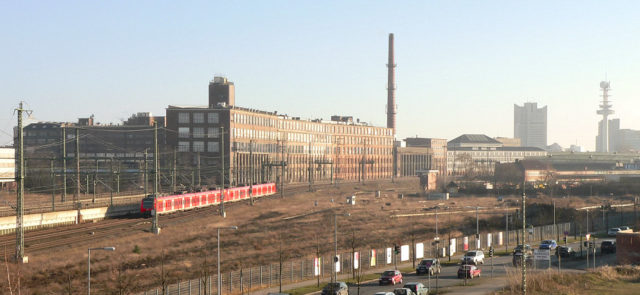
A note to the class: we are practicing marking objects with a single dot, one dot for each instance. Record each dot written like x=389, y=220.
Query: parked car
x=417, y=288
x=625, y=229
x=468, y=270
x=473, y=257
x=565, y=251
x=337, y=288
x=430, y=266
x=613, y=231
x=390, y=277
x=608, y=246
x=548, y=244
x=402, y=291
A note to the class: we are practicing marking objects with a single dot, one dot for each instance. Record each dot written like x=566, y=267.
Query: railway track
x=84, y=234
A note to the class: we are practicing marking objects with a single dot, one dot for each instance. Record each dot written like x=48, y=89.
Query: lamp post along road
x=89, y=265
x=219, y=276
x=334, y=277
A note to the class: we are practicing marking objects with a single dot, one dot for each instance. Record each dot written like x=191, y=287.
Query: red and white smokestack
x=391, y=89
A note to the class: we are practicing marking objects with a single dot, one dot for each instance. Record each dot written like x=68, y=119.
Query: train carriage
x=173, y=203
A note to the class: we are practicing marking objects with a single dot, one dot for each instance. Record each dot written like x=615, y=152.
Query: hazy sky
x=461, y=64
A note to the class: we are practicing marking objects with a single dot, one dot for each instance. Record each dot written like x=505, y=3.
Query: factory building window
x=213, y=132
x=198, y=118
x=213, y=118
x=183, y=118
x=183, y=146
x=198, y=146
x=183, y=132
x=198, y=132
x=213, y=147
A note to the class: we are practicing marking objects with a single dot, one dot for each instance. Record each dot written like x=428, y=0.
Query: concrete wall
x=628, y=248
x=52, y=219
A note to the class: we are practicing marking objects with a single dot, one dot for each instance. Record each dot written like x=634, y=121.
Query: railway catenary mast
x=391, y=89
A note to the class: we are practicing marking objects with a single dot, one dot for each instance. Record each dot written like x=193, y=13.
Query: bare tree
x=163, y=276
x=121, y=283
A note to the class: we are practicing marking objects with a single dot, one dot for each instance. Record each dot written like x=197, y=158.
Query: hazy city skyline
x=461, y=66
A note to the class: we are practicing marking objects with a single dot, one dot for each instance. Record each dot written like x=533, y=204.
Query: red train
x=168, y=204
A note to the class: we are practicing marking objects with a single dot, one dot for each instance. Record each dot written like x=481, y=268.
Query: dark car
x=608, y=246
x=565, y=251
x=518, y=251
x=469, y=270
x=337, y=288
x=390, y=277
x=428, y=266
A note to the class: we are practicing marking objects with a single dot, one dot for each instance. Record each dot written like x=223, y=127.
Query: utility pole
x=506, y=231
x=53, y=187
x=20, y=198
x=282, y=171
x=111, y=184
x=222, y=213
x=555, y=227
x=173, y=175
x=199, y=179
x=251, y=171
x=64, y=164
x=76, y=196
x=310, y=169
x=95, y=179
x=524, y=233
x=146, y=168
x=117, y=181
x=154, y=225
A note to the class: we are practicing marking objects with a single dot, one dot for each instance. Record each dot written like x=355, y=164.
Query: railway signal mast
x=20, y=258
x=154, y=224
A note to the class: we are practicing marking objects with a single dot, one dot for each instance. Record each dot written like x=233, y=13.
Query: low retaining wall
x=52, y=219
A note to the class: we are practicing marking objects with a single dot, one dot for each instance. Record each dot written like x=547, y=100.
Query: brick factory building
x=256, y=142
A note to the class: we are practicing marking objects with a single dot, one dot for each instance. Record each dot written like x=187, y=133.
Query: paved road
x=447, y=278
x=484, y=284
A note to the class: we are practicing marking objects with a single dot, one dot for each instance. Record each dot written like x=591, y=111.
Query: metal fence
x=259, y=277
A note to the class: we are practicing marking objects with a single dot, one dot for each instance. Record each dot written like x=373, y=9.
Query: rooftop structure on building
x=473, y=140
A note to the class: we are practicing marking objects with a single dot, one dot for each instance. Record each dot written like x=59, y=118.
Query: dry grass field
x=296, y=223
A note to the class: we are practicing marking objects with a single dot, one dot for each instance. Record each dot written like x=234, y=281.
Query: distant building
x=420, y=154
x=555, y=148
x=575, y=148
x=477, y=155
x=506, y=141
x=621, y=140
x=256, y=142
x=7, y=167
x=128, y=140
x=530, y=125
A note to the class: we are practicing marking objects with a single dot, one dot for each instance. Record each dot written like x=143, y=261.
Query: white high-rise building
x=530, y=125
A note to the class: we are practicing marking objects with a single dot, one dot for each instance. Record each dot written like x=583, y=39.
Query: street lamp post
x=89, y=265
x=334, y=277
x=218, y=250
